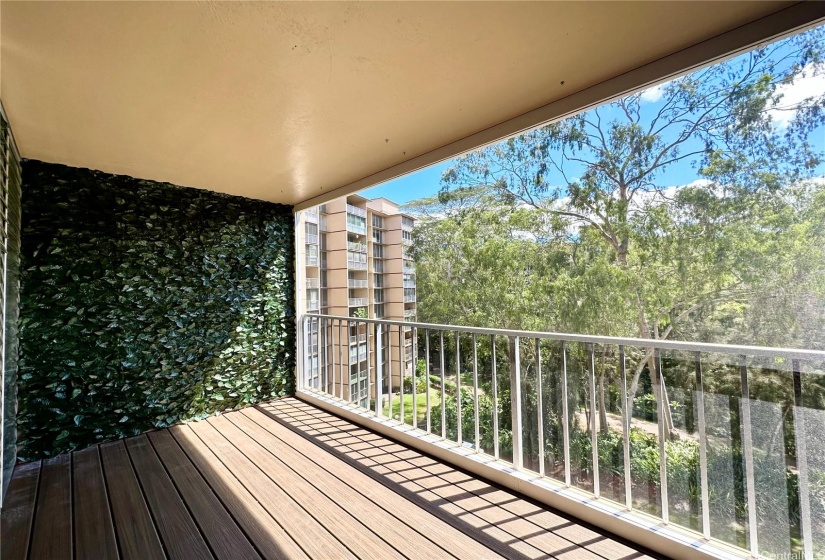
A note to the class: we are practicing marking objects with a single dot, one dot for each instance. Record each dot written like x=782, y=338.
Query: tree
x=646, y=257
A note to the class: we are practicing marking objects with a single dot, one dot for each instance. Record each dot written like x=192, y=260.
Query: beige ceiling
x=285, y=101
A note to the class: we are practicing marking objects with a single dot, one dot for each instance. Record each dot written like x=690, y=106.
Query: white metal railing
x=409, y=269
x=313, y=283
x=409, y=299
x=409, y=283
x=312, y=239
x=360, y=337
x=312, y=260
x=357, y=265
x=356, y=247
x=311, y=215
x=357, y=301
x=313, y=305
x=409, y=313
x=717, y=441
x=355, y=211
x=352, y=283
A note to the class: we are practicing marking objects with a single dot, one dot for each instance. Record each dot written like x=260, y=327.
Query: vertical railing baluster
x=660, y=413
x=540, y=407
x=495, y=395
x=322, y=344
x=515, y=404
x=301, y=358
x=443, y=388
x=332, y=355
x=427, y=373
x=594, y=428
x=415, y=372
x=565, y=413
x=628, y=488
x=369, y=373
x=330, y=370
x=703, y=446
x=402, y=372
x=379, y=369
x=802, y=463
x=413, y=360
x=354, y=399
x=348, y=378
x=340, y=360
x=475, y=394
x=389, y=370
x=459, y=436
x=322, y=325
x=316, y=376
x=747, y=450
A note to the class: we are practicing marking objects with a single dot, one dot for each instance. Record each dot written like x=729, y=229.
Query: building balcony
x=357, y=301
x=409, y=283
x=409, y=313
x=311, y=216
x=313, y=305
x=356, y=265
x=409, y=269
x=312, y=260
x=311, y=239
x=356, y=247
x=409, y=299
x=313, y=283
x=359, y=356
x=357, y=284
x=356, y=338
x=358, y=229
x=355, y=211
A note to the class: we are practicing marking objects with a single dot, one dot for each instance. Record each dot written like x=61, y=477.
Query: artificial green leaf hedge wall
x=143, y=304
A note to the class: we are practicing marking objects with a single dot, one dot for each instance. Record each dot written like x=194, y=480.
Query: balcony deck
x=278, y=480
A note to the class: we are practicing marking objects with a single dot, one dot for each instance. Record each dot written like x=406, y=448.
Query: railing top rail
x=788, y=353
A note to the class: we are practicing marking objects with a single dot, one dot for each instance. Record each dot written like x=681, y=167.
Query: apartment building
x=357, y=263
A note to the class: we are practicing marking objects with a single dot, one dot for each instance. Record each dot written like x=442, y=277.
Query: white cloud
x=810, y=83
x=655, y=93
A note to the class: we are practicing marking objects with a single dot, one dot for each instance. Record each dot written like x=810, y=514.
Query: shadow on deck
x=277, y=480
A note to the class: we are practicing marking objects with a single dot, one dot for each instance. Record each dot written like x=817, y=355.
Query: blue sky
x=427, y=182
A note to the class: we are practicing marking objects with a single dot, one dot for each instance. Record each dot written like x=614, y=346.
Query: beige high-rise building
x=357, y=264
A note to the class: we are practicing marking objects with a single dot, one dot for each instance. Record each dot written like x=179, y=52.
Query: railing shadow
x=508, y=524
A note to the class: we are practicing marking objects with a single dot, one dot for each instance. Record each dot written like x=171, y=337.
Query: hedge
x=144, y=304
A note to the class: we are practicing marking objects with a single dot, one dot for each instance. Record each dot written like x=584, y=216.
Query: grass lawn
x=421, y=402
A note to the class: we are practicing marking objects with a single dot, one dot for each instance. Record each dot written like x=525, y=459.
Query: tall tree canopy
x=577, y=226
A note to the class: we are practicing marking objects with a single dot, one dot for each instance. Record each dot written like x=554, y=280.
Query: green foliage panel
x=144, y=304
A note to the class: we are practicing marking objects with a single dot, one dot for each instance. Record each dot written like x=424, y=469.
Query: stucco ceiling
x=285, y=101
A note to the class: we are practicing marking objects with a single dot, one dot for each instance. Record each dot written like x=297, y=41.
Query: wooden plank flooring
x=277, y=480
